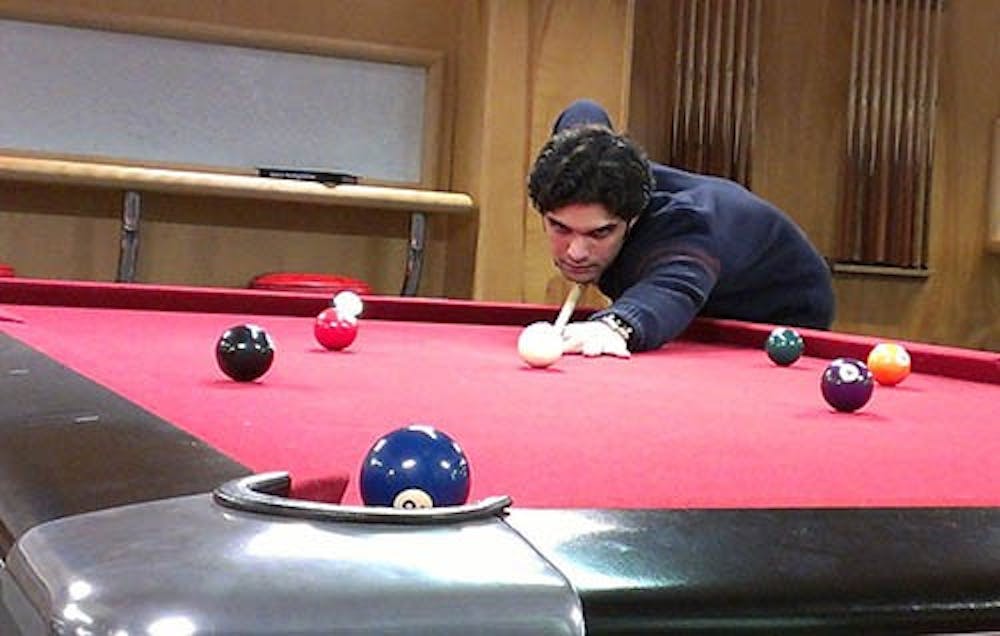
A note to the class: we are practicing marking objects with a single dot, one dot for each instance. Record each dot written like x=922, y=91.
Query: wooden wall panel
x=960, y=302
x=801, y=118
x=652, y=83
x=522, y=62
x=993, y=240
x=578, y=49
x=495, y=159
x=799, y=148
x=801, y=96
x=41, y=236
x=469, y=130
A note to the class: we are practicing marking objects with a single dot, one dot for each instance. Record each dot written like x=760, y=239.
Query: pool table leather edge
x=69, y=445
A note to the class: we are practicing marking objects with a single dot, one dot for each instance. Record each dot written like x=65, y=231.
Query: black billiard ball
x=784, y=346
x=245, y=352
x=847, y=384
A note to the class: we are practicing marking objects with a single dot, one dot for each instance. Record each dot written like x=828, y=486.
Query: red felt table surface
x=692, y=425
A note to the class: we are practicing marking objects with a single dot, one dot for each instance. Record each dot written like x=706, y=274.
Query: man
x=665, y=245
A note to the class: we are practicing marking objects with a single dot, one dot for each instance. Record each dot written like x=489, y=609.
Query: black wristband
x=620, y=327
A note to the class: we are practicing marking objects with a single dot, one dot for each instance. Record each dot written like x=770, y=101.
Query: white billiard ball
x=540, y=345
x=348, y=304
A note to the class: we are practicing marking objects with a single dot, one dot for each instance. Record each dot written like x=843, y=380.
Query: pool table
x=699, y=488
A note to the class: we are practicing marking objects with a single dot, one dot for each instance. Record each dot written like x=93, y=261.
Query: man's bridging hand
x=593, y=338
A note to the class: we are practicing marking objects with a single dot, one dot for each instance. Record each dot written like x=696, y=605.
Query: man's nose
x=579, y=249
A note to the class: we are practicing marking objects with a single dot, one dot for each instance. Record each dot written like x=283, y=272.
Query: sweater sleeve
x=661, y=284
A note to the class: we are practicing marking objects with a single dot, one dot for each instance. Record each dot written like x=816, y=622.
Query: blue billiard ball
x=415, y=467
x=847, y=384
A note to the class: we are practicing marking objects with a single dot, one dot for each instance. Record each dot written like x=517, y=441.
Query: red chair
x=329, y=284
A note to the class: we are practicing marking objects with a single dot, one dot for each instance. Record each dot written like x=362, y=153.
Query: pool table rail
x=69, y=446
x=189, y=564
x=801, y=571
x=963, y=364
x=532, y=571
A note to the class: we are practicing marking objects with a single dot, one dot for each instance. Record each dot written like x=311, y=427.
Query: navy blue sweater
x=706, y=245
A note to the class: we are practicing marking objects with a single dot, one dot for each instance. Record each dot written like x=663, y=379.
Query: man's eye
x=601, y=233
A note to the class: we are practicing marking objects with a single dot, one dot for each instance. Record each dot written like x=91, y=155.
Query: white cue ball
x=540, y=345
x=348, y=303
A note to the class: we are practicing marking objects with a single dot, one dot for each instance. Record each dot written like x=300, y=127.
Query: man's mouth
x=577, y=270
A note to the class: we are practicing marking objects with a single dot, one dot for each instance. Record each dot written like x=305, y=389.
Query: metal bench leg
x=415, y=253
x=129, y=237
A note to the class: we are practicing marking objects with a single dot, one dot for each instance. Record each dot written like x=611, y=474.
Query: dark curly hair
x=591, y=164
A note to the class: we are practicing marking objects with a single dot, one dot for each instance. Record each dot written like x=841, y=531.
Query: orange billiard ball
x=889, y=363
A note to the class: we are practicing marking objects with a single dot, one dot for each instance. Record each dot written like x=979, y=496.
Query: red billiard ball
x=335, y=330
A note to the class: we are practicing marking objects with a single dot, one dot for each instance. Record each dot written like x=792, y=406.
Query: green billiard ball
x=784, y=346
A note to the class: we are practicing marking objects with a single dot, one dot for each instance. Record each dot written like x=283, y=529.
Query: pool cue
x=569, y=305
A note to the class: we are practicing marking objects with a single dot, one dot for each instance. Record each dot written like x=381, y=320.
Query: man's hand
x=593, y=338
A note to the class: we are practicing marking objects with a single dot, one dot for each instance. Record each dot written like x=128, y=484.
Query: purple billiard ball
x=847, y=384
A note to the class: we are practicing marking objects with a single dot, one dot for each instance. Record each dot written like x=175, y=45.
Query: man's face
x=585, y=238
